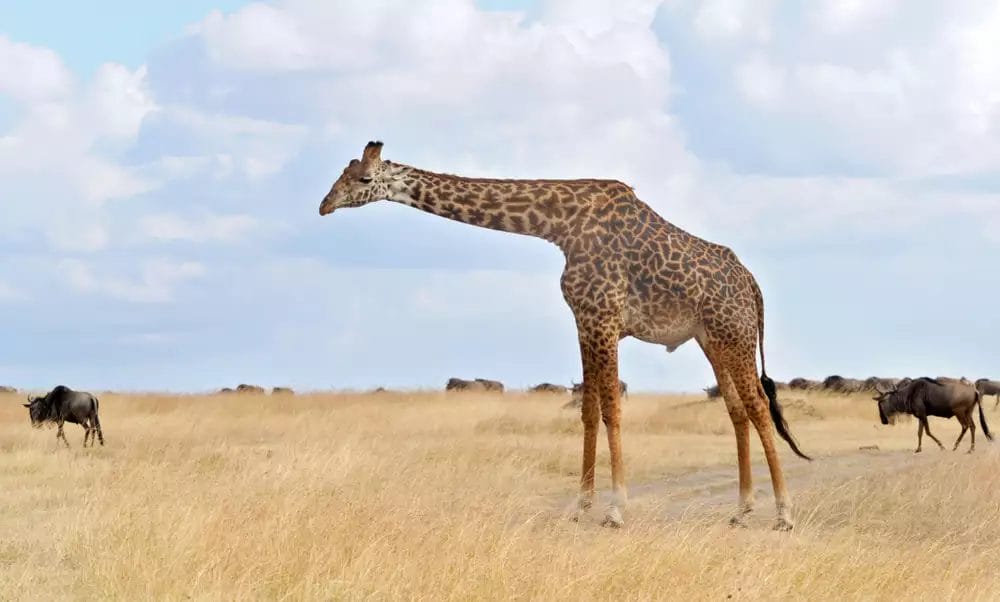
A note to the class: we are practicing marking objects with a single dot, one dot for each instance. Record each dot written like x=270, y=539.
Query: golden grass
x=434, y=496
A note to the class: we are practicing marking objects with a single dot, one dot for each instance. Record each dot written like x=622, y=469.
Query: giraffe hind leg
x=751, y=392
x=741, y=427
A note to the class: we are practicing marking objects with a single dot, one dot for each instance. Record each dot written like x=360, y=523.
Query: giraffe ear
x=372, y=154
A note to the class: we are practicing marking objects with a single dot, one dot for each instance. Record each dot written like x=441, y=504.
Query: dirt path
x=713, y=491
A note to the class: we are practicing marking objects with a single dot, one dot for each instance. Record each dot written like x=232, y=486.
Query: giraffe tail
x=777, y=416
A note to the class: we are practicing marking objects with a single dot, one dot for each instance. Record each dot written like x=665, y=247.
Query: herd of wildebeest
x=923, y=397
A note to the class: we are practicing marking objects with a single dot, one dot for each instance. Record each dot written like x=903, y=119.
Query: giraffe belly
x=668, y=328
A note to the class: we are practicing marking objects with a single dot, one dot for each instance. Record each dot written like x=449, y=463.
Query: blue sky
x=161, y=168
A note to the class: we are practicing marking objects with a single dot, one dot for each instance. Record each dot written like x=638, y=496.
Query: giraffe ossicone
x=629, y=272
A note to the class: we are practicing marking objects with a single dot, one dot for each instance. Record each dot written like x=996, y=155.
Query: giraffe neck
x=540, y=208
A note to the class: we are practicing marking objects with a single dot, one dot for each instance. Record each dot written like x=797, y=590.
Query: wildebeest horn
x=27, y=405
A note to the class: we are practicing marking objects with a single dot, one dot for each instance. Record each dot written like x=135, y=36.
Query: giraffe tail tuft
x=778, y=417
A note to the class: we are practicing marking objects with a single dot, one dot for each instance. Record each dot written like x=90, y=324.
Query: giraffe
x=628, y=272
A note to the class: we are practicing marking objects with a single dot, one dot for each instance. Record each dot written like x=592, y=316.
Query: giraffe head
x=361, y=182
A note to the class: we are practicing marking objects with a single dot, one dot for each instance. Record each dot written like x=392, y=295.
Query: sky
x=161, y=168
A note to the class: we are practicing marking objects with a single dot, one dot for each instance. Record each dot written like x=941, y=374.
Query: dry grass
x=440, y=497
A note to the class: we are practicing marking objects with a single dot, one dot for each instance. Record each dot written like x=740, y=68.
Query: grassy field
x=434, y=496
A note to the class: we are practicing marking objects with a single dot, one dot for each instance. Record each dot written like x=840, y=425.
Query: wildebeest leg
x=86, y=432
x=927, y=427
x=965, y=427
x=920, y=436
x=61, y=435
x=972, y=431
x=97, y=429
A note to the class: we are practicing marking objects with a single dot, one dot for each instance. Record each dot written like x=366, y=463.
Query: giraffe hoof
x=783, y=524
x=613, y=519
x=737, y=522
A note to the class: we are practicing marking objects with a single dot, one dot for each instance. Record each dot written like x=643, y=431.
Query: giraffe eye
x=365, y=180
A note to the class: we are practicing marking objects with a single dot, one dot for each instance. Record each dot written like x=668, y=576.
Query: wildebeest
x=874, y=383
x=839, y=384
x=250, y=389
x=549, y=388
x=804, y=384
x=479, y=384
x=577, y=400
x=494, y=386
x=282, y=391
x=986, y=387
x=61, y=405
x=925, y=397
x=952, y=379
x=622, y=388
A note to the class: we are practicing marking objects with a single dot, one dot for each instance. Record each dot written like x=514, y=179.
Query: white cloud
x=32, y=74
x=155, y=283
x=823, y=208
x=229, y=144
x=76, y=233
x=927, y=103
x=733, y=19
x=844, y=16
x=118, y=101
x=259, y=35
x=761, y=82
x=204, y=228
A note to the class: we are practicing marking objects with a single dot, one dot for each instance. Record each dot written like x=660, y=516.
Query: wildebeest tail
x=982, y=417
x=769, y=387
x=97, y=413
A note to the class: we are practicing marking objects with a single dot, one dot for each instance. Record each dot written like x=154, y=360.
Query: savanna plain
x=436, y=496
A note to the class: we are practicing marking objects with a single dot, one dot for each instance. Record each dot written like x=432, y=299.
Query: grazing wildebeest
x=282, y=391
x=479, y=384
x=493, y=386
x=925, y=397
x=226, y=391
x=712, y=392
x=549, y=388
x=986, y=387
x=839, y=384
x=250, y=389
x=460, y=384
x=61, y=405
x=804, y=384
x=874, y=383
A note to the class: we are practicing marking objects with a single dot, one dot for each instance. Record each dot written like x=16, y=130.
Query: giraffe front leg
x=601, y=393
x=589, y=414
x=611, y=412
